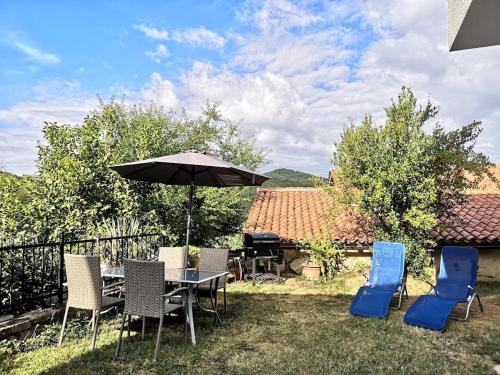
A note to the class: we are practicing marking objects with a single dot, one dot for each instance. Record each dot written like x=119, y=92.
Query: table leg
x=190, y=313
x=214, y=299
x=253, y=271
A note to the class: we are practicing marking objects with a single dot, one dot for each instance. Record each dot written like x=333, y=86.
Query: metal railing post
x=61, y=270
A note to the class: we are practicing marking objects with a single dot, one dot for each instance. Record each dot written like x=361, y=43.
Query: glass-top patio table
x=189, y=277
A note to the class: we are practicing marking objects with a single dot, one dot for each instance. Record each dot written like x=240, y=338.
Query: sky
x=292, y=73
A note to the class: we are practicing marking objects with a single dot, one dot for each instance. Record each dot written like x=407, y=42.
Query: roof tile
x=298, y=213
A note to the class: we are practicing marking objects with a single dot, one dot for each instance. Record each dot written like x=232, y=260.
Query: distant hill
x=8, y=174
x=288, y=178
x=281, y=178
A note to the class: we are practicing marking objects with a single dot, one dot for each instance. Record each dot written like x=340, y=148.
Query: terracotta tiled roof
x=477, y=222
x=298, y=213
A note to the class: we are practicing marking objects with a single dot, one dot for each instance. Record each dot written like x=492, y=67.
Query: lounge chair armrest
x=174, y=292
x=433, y=287
x=430, y=284
x=114, y=285
x=471, y=288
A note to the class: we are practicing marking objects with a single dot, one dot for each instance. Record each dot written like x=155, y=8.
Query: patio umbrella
x=189, y=168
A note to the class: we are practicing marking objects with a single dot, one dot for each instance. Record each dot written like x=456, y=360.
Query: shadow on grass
x=284, y=333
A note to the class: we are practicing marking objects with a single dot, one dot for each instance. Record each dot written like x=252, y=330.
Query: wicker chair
x=213, y=260
x=145, y=297
x=86, y=290
x=174, y=257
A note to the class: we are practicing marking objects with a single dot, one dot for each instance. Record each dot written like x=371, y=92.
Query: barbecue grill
x=263, y=246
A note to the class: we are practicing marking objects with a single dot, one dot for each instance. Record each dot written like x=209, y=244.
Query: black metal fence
x=32, y=275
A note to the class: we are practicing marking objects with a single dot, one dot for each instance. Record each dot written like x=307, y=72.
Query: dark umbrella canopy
x=189, y=168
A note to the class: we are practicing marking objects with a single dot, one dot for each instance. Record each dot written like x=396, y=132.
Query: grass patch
x=298, y=327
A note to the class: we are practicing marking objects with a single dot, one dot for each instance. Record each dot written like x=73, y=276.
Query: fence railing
x=32, y=275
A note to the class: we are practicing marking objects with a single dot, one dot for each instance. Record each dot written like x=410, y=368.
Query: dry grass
x=299, y=327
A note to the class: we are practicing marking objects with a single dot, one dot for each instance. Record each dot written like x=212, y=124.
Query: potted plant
x=193, y=256
x=311, y=268
x=324, y=258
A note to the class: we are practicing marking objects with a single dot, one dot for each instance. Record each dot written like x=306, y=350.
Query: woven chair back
x=83, y=273
x=174, y=257
x=213, y=259
x=144, y=285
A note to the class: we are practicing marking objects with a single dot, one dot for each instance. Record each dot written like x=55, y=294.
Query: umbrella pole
x=190, y=209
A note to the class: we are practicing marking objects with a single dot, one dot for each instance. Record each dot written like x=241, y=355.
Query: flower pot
x=311, y=271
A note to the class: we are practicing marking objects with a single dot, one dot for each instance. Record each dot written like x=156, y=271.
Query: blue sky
x=292, y=72
x=96, y=43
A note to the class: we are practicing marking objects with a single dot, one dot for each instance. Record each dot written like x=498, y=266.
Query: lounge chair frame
x=468, y=308
x=399, y=294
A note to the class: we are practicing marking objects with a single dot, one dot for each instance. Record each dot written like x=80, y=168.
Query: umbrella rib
x=183, y=168
x=140, y=170
x=242, y=175
x=175, y=174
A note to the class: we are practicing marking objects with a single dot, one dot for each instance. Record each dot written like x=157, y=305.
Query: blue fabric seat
x=386, y=278
x=455, y=284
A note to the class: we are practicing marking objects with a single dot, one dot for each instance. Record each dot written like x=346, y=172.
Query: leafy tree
x=405, y=179
x=75, y=192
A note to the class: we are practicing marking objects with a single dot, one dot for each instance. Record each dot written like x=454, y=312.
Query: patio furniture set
x=147, y=289
x=455, y=287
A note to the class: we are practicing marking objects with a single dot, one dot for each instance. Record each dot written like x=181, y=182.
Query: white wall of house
x=473, y=23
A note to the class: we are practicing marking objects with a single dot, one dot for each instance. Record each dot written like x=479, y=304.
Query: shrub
x=405, y=180
x=326, y=253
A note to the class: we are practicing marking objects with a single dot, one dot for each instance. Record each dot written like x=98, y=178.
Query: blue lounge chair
x=455, y=285
x=386, y=279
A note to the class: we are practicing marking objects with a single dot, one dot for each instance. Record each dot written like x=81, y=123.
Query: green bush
x=46, y=335
x=324, y=252
x=403, y=179
x=74, y=190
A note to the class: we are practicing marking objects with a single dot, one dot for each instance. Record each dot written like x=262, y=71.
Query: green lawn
x=298, y=327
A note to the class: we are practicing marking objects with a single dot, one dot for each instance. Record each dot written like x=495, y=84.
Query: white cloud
x=199, y=37
x=297, y=73
x=271, y=16
x=152, y=32
x=35, y=54
x=158, y=53
x=160, y=91
x=298, y=78
x=25, y=122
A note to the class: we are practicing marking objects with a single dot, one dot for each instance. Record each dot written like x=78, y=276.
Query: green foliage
x=404, y=179
x=288, y=178
x=326, y=253
x=119, y=227
x=231, y=242
x=45, y=336
x=15, y=210
x=193, y=254
x=75, y=192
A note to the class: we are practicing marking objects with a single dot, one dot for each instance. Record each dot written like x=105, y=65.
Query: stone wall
x=294, y=258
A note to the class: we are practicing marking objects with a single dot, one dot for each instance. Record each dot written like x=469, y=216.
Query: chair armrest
x=175, y=291
x=114, y=285
x=471, y=288
x=433, y=287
